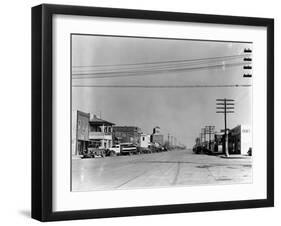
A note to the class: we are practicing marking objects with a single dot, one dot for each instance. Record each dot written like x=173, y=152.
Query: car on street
x=93, y=152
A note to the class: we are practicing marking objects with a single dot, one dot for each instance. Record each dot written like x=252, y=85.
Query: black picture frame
x=42, y=111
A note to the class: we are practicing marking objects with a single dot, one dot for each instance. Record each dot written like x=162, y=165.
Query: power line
x=152, y=67
x=165, y=86
x=140, y=73
x=162, y=66
x=149, y=68
x=160, y=62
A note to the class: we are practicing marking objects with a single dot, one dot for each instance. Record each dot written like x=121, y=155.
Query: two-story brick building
x=126, y=134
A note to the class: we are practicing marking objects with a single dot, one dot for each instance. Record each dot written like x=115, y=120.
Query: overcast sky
x=182, y=112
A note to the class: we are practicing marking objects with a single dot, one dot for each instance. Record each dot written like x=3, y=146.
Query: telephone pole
x=168, y=140
x=209, y=131
x=203, y=134
x=225, y=106
x=201, y=138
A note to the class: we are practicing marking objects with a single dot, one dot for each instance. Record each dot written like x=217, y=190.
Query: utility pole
x=203, y=132
x=203, y=135
x=201, y=138
x=225, y=106
x=210, y=130
x=168, y=140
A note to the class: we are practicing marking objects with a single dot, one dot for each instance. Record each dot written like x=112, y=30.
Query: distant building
x=80, y=132
x=144, y=140
x=126, y=134
x=156, y=130
x=100, y=132
x=240, y=140
x=219, y=142
x=156, y=136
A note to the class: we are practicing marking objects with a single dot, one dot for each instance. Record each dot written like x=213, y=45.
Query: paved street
x=172, y=168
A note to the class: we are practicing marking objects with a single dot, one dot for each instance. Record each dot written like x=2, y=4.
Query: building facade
x=126, y=134
x=100, y=132
x=144, y=140
x=80, y=132
x=240, y=140
x=156, y=136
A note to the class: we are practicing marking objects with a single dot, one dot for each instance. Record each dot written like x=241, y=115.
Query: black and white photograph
x=144, y=112
x=150, y=112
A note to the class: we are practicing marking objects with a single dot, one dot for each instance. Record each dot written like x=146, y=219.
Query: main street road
x=172, y=168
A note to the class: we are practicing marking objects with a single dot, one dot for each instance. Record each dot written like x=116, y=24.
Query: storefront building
x=240, y=140
x=126, y=134
x=80, y=132
x=156, y=136
x=100, y=132
x=144, y=140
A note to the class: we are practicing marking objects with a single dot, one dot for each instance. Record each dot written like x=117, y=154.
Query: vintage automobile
x=249, y=152
x=155, y=147
x=93, y=151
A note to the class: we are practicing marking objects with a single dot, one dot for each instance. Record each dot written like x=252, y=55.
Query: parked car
x=197, y=149
x=143, y=150
x=114, y=150
x=250, y=152
x=93, y=152
x=155, y=147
